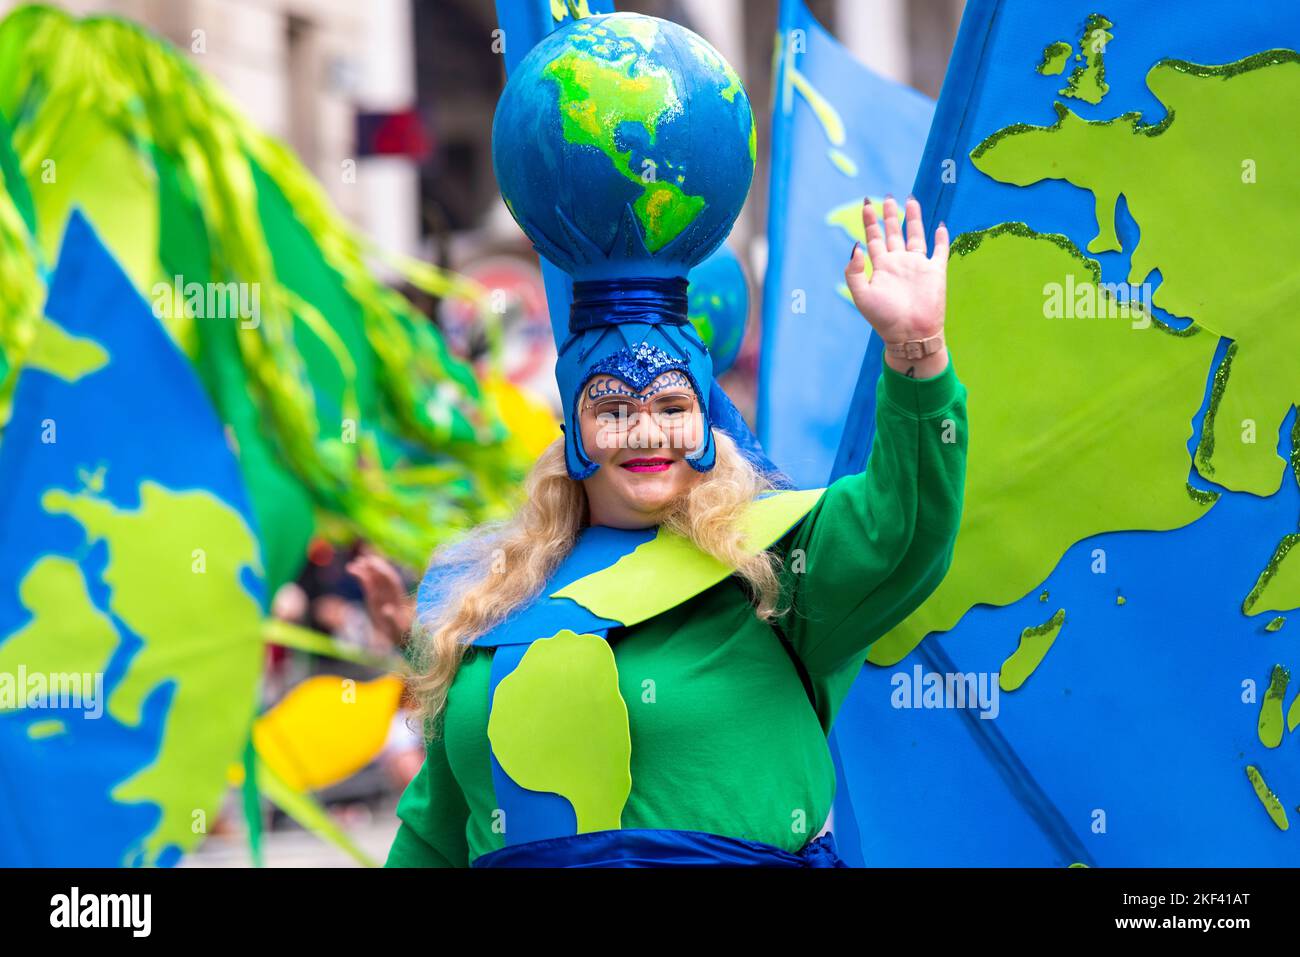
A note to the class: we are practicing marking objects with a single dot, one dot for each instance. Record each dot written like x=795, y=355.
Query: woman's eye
x=612, y=415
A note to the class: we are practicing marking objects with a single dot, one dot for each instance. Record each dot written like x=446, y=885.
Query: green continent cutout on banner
x=1267, y=798
x=1055, y=57
x=69, y=357
x=204, y=640
x=1278, y=585
x=1034, y=644
x=558, y=724
x=1053, y=458
x=1270, y=710
x=67, y=634
x=1088, y=81
x=1222, y=142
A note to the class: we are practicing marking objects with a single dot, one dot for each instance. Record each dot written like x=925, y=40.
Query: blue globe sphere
x=719, y=306
x=624, y=146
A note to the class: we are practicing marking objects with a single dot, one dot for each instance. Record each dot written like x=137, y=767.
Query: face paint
x=621, y=413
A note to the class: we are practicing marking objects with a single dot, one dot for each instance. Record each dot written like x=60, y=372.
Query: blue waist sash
x=644, y=847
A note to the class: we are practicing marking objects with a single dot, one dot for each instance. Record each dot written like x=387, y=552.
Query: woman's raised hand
x=904, y=297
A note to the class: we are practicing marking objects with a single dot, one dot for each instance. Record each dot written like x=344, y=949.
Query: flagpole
x=777, y=194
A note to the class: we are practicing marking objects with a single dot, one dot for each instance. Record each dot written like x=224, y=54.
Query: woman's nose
x=647, y=433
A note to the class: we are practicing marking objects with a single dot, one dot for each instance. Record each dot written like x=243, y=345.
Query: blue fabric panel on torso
x=529, y=815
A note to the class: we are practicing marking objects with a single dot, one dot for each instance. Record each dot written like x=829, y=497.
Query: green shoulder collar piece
x=677, y=568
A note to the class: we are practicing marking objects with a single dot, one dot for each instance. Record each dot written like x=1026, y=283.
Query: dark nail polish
x=855, y=251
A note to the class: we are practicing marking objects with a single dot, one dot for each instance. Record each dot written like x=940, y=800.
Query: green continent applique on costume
x=575, y=743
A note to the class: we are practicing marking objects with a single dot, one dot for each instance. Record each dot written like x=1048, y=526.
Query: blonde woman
x=643, y=666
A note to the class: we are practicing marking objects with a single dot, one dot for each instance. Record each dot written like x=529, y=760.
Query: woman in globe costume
x=642, y=667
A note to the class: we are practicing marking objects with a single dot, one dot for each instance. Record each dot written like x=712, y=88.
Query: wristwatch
x=915, y=348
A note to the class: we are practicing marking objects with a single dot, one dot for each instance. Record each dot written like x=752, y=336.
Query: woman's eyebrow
x=608, y=389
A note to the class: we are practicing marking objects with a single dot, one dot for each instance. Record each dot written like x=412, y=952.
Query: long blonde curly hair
x=501, y=566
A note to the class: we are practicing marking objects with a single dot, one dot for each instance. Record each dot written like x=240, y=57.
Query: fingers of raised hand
x=855, y=272
x=940, y=253
x=875, y=236
x=893, y=229
x=915, y=227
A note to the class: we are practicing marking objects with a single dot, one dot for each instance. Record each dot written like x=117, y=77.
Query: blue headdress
x=623, y=146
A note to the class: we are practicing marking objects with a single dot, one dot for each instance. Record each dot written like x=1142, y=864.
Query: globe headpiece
x=624, y=148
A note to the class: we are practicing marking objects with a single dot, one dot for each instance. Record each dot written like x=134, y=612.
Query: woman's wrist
x=925, y=367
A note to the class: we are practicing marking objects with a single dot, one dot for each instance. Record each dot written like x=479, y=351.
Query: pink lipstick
x=647, y=465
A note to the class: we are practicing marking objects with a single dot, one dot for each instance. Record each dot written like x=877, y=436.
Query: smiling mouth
x=647, y=465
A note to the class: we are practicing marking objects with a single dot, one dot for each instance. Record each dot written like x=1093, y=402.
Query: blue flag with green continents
x=131, y=586
x=840, y=133
x=1107, y=677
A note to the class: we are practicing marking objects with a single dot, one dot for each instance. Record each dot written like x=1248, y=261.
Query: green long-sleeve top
x=723, y=736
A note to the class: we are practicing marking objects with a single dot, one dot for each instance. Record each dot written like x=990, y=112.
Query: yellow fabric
x=326, y=729
x=532, y=426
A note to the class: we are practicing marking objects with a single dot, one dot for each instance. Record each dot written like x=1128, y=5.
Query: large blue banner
x=1106, y=677
x=840, y=133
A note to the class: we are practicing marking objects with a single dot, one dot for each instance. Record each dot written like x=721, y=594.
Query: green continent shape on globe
x=1220, y=156
x=703, y=324
x=173, y=571
x=597, y=96
x=1079, y=429
x=713, y=60
x=576, y=743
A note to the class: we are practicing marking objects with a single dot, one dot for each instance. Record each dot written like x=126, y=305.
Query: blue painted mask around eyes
x=634, y=330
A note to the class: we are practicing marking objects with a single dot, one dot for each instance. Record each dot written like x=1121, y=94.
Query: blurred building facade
x=460, y=77
x=304, y=70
